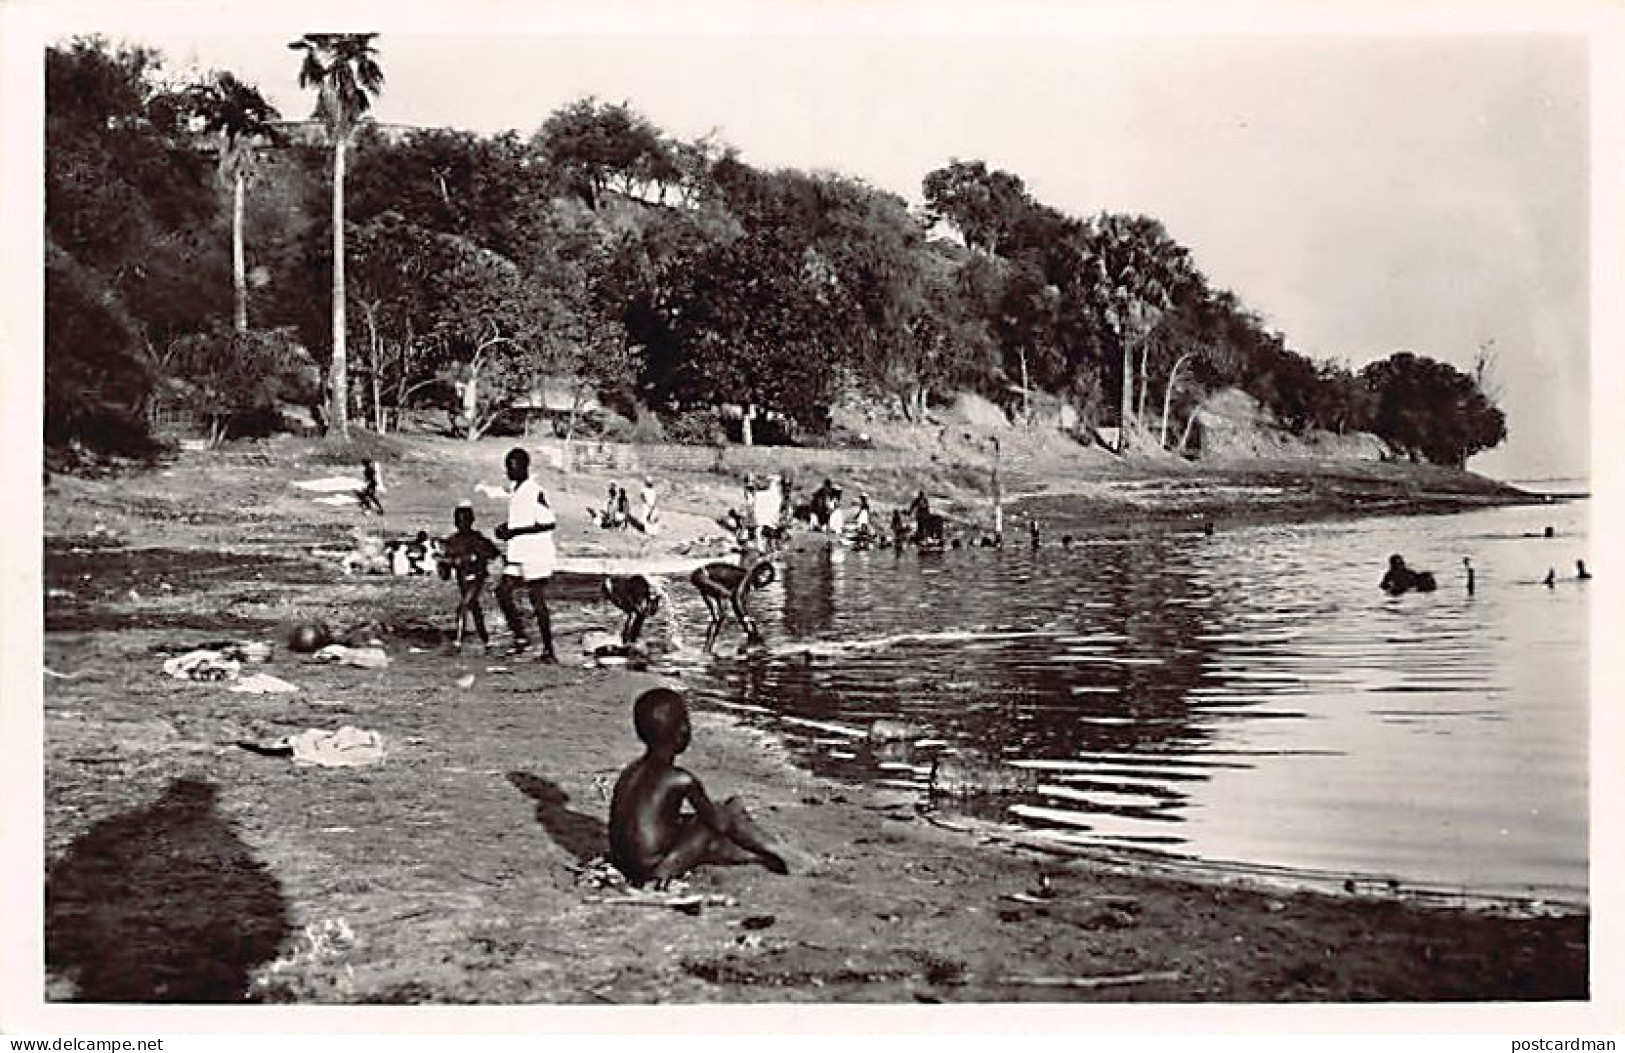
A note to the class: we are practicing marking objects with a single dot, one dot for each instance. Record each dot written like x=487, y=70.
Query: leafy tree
x=984, y=206
x=130, y=261
x=749, y=325
x=392, y=288
x=608, y=146
x=1132, y=272
x=1344, y=402
x=236, y=379
x=343, y=69
x=948, y=339
x=241, y=117
x=1026, y=328
x=482, y=188
x=94, y=394
x=1430, y=409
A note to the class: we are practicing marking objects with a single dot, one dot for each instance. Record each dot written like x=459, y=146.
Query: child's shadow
x=584, y=836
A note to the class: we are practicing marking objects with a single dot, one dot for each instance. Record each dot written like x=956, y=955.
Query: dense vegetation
x=190, y=251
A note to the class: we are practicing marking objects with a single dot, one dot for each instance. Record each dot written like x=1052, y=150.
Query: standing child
x=371, y=486
x=650, y=836
x=465, y=555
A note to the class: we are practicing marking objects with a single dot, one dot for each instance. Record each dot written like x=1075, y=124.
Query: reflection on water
x=1248, y=697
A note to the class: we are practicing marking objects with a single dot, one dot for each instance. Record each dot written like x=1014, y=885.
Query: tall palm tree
x=343, y=70
x=239, y=114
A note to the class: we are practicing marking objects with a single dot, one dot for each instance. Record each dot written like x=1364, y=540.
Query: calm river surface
x=1249, y=698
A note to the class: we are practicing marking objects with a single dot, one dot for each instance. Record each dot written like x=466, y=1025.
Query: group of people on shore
x=530, y=560
x=662, y=823
x=618, y=514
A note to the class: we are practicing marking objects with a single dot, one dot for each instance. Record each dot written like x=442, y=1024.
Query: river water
x=1247, y=699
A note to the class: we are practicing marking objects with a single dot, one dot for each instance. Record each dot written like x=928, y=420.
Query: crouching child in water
x=465, y=556
x=651, y=837
x=633, y=596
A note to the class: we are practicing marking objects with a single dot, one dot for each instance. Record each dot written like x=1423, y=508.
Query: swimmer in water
x=727, y=586
x=1466, y=561
x=1550, y=581
x=636, y=598
x=1401, y=579
x=1580, y=570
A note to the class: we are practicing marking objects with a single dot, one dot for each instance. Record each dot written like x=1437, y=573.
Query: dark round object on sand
x=307, y=637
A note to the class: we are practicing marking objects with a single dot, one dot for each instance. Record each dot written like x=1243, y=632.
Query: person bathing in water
x=1401, y=579
x=651, y=836
x=636, y=598
x=727, y=586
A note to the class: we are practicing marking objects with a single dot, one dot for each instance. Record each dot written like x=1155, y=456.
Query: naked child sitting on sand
x=650, y=836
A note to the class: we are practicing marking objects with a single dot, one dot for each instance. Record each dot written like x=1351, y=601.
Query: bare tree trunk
x=1168, y=398
x=1185, y=436
x=471, y=400
x=1144, y=387
x=1126, y=410
x=339, y=374
x=1026, y=395
x=239, y=269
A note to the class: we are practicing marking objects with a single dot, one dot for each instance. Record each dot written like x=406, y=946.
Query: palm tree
x=239, y=114
x=343, y=70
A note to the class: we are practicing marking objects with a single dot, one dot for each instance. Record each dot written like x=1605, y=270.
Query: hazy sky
x=1364, y=191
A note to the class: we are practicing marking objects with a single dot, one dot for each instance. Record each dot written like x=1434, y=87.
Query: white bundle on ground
x=360, y=657
x=331, y=484
x=263, y=684
x=348, y=747
x=203, y=665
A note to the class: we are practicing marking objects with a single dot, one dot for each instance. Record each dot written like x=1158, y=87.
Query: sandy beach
x=183, y=867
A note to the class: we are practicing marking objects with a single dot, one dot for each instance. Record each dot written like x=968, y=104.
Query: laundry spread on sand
x=240, y=651
x=202, y=665
x=360, y=657
x=263, y=684
x=331, y=484
x=348, y=747
x=337, y=499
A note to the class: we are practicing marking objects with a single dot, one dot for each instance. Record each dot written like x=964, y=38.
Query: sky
x=1365, y=185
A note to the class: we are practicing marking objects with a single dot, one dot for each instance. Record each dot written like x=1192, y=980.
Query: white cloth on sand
x=331, y=484
x=348, y=747
x=361, y=657
x=202, y=665
x=263, y=684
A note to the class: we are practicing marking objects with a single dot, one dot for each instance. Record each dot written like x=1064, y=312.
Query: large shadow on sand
x=583, y=836
x=163, y=904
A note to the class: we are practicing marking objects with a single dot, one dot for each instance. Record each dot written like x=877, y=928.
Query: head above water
x=660, y=717
x=517, y=464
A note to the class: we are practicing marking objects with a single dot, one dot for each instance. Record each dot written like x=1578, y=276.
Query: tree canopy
x=601, y=253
